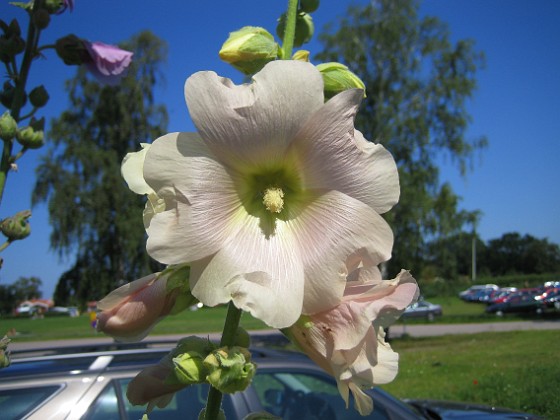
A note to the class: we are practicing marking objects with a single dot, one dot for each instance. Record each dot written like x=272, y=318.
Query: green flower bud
x=7, y=95
x=301, y=55
x=194, y=343
x=304, y=28
x=189, y=368
x=41, y=18
x=17, y=226
x=230, y=369
x=39, y=96
x=337, y=78
x=221, y=415
x=30, y=138
x=8, y=127
x=4, y=353
x=308, y=6
x=71, y=50
x=249, y=49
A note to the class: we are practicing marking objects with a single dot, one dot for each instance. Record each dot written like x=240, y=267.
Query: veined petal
x=254, y=123
x=382, y=302
x=352, y=226
x=336, y=156
x=261, y=274
x=115, y=297
x=201, y=201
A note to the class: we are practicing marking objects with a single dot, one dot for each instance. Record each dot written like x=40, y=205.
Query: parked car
x=519, y=302
x=62, y=384
x=474, y=293
x=422, y=309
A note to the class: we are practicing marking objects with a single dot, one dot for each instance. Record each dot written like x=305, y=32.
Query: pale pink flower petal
x=358, y=168
x=205, y=202
x=109, y=63
x=150, y=386
x=254, y=124
x=263, y=276
x=131, y=311
x=348, y=342
x=328, y=230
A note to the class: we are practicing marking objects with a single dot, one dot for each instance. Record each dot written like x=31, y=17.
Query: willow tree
x=94, y=216
x=417, y=84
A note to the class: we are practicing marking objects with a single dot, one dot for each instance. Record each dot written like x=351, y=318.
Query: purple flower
x=108, y=63
x=66, y=4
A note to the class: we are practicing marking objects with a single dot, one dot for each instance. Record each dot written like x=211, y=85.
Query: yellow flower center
x=273, y=199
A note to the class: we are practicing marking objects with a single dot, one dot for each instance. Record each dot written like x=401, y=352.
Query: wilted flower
x=131, y=311
x=272, y=195
x=348, y=340
x=108, y=63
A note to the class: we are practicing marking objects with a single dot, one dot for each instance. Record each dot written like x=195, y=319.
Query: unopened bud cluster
x=17, y=226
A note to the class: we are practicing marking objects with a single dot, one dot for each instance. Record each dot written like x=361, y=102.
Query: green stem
x=228, y=339
x=19, y=93
x=5, y=245
x=290, y=31
x=46, y=47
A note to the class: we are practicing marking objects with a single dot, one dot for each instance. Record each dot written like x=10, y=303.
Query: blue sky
x=514, y=182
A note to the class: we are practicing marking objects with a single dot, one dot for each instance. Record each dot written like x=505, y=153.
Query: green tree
x=516, y=254
x=93, y=214
x=417, y=82
x=25, y=288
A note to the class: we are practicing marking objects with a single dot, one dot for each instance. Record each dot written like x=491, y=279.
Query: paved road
x=430, y=330
x=418, y=330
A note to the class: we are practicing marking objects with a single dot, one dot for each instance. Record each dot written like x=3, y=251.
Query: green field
x=519, y=370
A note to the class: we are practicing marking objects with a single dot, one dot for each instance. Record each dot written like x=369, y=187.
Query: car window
x=185, y=405
x=305, y=396
x=17, y=403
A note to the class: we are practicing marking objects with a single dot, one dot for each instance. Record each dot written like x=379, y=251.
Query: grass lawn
x=518, y=370
x=187, y=322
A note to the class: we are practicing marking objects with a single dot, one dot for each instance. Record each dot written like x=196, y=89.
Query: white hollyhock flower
x=272, y=195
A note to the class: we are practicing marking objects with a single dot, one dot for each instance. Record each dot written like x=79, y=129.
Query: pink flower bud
x=131, y=311
x=108, y=62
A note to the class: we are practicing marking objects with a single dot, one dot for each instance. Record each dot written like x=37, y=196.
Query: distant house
x=33, y=307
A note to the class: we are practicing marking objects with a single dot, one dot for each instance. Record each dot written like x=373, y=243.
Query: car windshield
x=17, y=403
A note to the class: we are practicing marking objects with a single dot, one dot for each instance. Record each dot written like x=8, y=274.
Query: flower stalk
x=228, y=339
x=289, y=34
x=33, y=34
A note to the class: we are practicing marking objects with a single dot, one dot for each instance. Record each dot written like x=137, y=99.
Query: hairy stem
x=290, y=31
x=228, y=339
